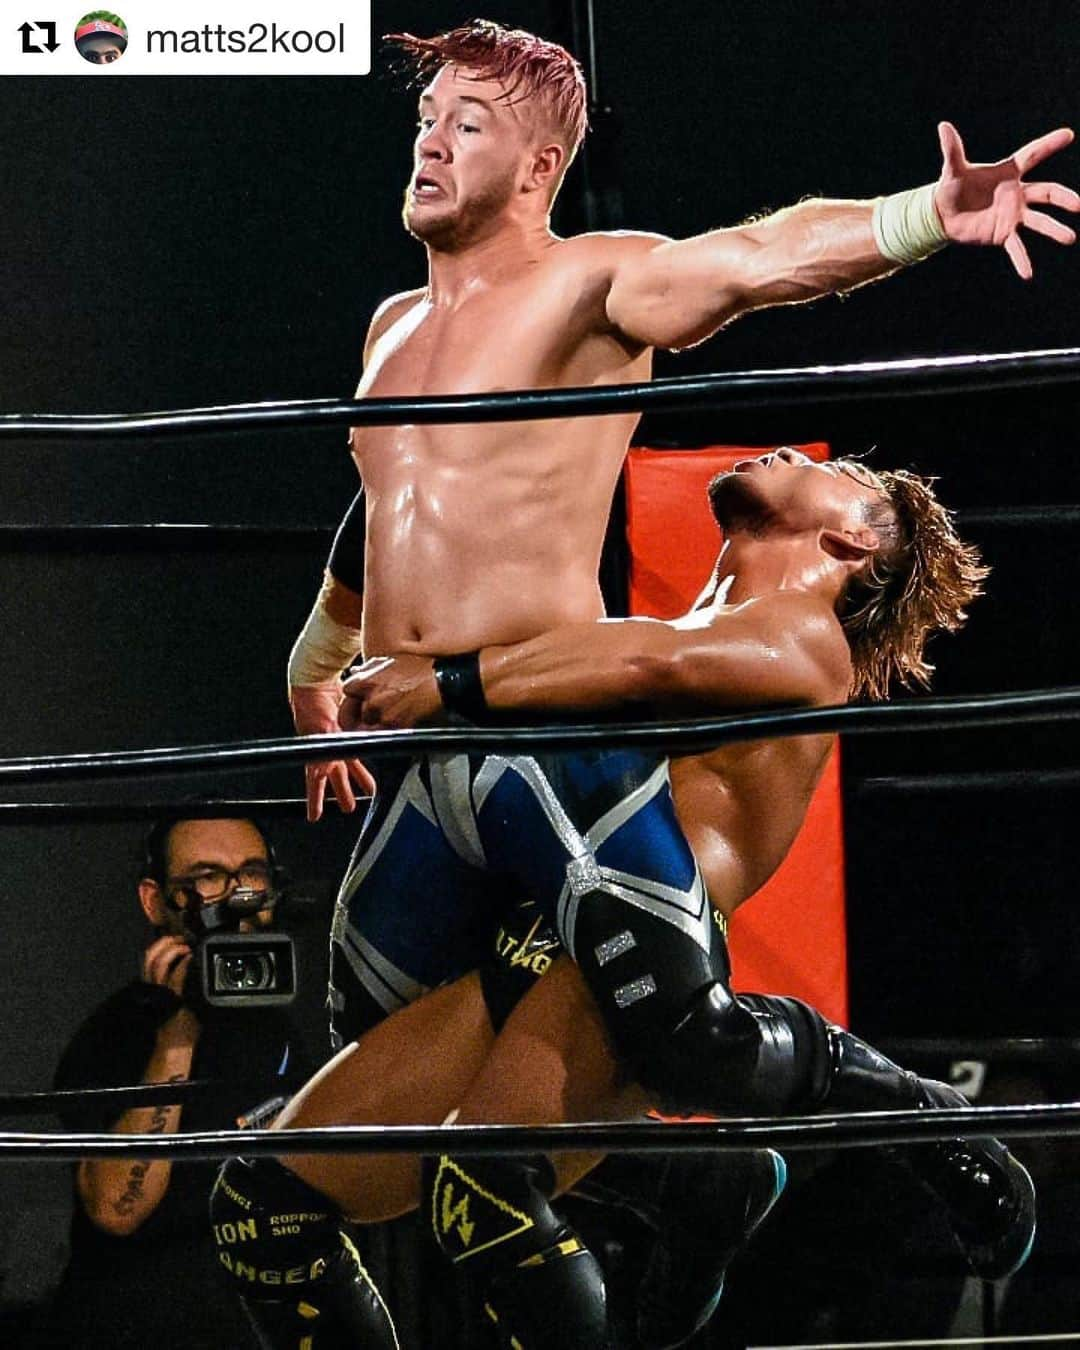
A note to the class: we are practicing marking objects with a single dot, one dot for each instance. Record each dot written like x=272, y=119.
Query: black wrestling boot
x=708, y=1209
x=553, y=1300
x=540, y=1285
x=344, y=1311
x=292, y=1260
x=988, y=1196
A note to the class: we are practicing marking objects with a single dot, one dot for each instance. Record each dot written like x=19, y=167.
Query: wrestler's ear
x=852, y=546
x=152, y=901
x=547, y=163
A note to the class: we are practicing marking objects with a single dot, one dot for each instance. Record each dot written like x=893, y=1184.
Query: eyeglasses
x=208, y=884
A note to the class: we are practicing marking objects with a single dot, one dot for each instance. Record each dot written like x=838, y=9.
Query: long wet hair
x=918, y=583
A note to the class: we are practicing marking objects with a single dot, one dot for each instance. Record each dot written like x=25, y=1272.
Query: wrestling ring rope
x=726, y=390
x=863, y=1129
x=892, y=379
x=956, y=711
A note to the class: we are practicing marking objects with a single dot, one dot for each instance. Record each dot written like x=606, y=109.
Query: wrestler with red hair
x=479, y=536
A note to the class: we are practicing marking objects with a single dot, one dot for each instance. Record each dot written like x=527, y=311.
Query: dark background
x=177, y=242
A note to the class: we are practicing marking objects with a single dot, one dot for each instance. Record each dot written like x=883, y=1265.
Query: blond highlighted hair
x=919, y=582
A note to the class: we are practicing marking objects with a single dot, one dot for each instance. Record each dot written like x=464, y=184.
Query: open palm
x=989, y=203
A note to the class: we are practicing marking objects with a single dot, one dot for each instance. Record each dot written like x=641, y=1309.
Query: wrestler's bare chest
x=502, y=337
x=539, y=331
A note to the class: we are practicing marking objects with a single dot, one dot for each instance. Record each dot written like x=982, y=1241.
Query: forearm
x=580, y=667
x=682, y=291
x=120, y=1194
x=830, y=246
x=813, y=249
x=330, y=639
x=797, y=255
x=788, y=651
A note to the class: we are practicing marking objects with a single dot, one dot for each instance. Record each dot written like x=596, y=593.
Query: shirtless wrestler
x=488, y=534
x=799, y=536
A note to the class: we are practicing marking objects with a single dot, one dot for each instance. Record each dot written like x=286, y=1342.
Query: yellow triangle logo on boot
x=468, y=1216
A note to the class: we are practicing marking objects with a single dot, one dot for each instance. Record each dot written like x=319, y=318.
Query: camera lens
x=247, y=973
x=245, y=970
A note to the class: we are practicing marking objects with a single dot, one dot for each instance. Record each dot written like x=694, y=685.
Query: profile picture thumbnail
x=101, y=37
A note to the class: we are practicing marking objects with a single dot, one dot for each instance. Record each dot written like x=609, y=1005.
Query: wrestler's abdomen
x=489, y=533
x=484, y=535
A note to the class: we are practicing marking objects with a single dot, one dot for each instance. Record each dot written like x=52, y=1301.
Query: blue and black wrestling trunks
x=452, y=841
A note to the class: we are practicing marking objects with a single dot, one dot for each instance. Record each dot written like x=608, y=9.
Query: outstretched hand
x=398, y=691
x=989, y=203
x=315, y=710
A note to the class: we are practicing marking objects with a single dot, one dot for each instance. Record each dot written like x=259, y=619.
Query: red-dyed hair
x=528, y=66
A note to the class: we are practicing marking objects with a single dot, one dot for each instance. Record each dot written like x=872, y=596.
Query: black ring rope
x=1002, y=781
x=723, y=390
x=133, y=536
x=999, y=781
x=726, y=390
x=121, y=1098
x=153, y=536
x=1052, y=1051
x=923, y=714
x=865, y=1129
x=1064, y=515
x=114, y=813
x=1037, y=1050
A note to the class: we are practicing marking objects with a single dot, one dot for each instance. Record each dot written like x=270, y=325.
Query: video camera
x=243, y=970
x=248, y=970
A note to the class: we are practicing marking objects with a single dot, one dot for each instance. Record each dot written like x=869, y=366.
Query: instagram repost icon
x=101, y=37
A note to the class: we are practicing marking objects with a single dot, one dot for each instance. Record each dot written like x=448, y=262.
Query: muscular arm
x=675, y=293
x=328, y=642
x=331, y=637
x=784, y=648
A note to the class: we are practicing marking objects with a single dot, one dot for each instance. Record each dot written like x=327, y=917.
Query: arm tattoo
x=133, y=1191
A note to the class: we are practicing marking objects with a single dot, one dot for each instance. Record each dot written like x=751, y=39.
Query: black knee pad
x=797, y=1052
x=748, y=1054
x=292, y=1260
x=840, y=1072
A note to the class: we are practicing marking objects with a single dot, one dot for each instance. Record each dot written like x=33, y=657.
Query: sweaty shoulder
x=604, y=251
x=389, y=311
x=804, y=629
x=589, y=264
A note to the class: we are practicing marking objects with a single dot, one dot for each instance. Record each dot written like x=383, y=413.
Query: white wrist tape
x=323, y=649
x=907, y=226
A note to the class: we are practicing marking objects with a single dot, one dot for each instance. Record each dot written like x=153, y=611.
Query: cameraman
x=138, y=1231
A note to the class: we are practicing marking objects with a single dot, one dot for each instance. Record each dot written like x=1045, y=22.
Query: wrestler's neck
x=490, y=256
x=750, y=566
